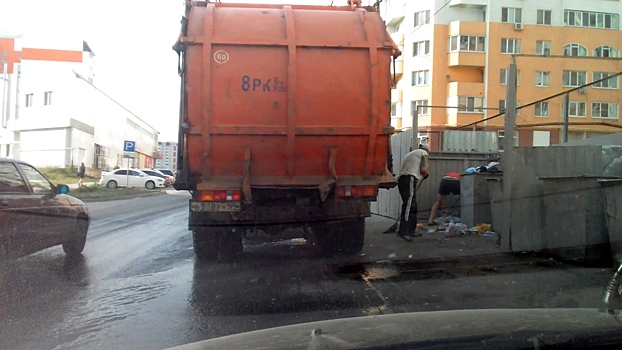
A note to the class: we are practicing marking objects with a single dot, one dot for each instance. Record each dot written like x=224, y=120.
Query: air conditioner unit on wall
x=581, y=90
x=518, y=26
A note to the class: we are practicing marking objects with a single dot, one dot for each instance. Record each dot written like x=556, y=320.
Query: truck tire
x=205, y=244
x=325, y=239
x=352, y=236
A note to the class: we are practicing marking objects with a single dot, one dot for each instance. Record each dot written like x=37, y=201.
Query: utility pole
x=415, y=140
x=5, y=94
x=565, y=117
x=507, y=159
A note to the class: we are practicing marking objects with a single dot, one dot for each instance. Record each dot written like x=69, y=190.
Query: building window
x=420, y=77
x=606, y=51
x=394, y=109
x=544, y=17
x=422, y=17
x=605, y=110
x=576, y=109
x=467, y=43
x=543, y=78
x=502, y=104
x=611, y=83
x=423, y=107
x=29, y=100
x=591, y=19
x=470, y=104
x=543, y=47
x=47, y=98
x=575, y=49
x=510, y=15
x=573, y=78
x=503, y=76
x=510, y=45
x=542, y=109
x=421, y=48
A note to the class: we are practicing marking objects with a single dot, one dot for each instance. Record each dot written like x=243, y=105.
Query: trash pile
x=491, y=168
x=452, y=226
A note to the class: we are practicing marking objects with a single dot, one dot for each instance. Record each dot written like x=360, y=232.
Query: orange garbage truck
x=284, y=123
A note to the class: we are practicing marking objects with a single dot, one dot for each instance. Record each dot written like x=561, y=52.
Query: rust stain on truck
x=290, y=120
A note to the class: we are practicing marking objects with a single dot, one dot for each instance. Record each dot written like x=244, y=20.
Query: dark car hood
x=525, y=325
x=67, y=199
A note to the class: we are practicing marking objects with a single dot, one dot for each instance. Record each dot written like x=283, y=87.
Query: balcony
x=466, y=59
x=396, y=95
x=465, y=89
x=468, y=3
x=394, y=13
x=467, y=28
x=398, y=70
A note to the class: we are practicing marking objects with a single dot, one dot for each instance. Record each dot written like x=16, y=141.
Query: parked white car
x=135, y=178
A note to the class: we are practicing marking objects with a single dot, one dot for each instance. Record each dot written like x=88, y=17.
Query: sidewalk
x=379, y=246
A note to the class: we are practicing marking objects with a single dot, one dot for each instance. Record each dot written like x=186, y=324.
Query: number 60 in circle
x=221, y=56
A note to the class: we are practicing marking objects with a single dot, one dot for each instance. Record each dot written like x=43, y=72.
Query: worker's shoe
x=405, y=237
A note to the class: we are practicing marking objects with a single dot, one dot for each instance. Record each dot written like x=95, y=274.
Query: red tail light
x=220, y=196
x=357, y=191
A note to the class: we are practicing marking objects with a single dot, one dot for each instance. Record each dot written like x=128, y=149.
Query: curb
x=109, y=199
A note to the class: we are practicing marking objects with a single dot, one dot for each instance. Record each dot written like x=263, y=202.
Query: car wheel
x=75, y=245
x=150, y=185
x=111, y=184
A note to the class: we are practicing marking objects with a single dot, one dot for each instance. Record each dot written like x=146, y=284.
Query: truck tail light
x=357, y=191
x=220, y=196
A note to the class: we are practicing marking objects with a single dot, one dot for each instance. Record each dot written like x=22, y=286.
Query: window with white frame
x=421, y=48
x=510, y=45
x=543, y=17
x=577, y=18
x=511, y=15
x=611, y=83
x=29, y=100
x=543, y=78
x=541, y=109
x=422, y=17
x=394, y=109
x=47, y=98
x=573, y=78
x=503, y=76
x=574, y=49
x=604, y=110
x=420, y=77
x=469, y=104
x=467, y=43
x=606, y=51
x=576, y=109
x=543, y=47
x=421, y=104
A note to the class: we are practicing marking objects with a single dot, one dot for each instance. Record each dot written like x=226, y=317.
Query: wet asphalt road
x=139, y=286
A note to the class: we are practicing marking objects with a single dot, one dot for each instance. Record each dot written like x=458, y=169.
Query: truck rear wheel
x=205, y=244
x=352, y=235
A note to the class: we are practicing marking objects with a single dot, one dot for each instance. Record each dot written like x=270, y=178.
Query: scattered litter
x=362, y=254
x=392, y=255
x=420, y=226
x=410, y=256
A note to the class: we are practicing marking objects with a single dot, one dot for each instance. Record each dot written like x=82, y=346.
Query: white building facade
x=54, y=115
x=168, y=156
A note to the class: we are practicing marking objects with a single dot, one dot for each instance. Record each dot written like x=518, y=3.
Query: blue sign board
x=129, y=146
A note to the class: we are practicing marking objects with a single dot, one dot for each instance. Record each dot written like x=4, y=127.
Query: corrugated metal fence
x=441, y=163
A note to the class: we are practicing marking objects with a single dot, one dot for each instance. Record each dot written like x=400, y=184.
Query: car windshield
x=427, y=170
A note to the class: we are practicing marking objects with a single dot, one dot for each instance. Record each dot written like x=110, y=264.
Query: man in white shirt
x=414, y=169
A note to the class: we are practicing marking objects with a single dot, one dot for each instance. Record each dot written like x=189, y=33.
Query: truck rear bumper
x=277, y=215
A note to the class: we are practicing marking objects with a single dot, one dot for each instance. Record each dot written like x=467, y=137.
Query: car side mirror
x=62, y=189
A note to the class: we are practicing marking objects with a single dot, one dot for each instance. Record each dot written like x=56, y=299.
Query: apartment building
x=53, y=113
x=168, y=156
x=456, y=52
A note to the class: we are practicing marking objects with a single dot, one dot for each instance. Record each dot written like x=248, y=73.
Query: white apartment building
x=168, y=156
x=54, y=114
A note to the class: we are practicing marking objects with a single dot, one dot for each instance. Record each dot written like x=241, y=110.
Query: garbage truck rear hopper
x=284, y=122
